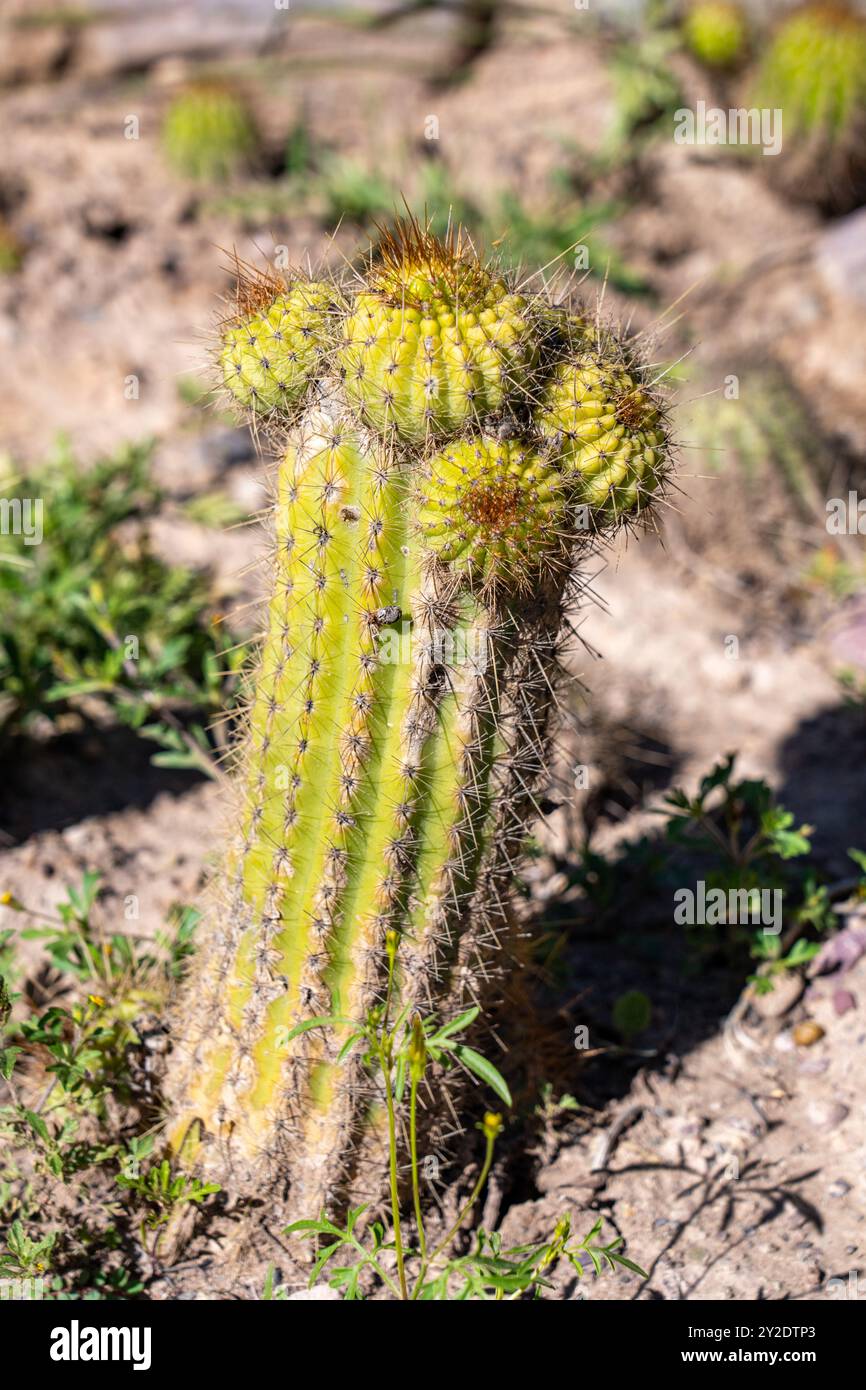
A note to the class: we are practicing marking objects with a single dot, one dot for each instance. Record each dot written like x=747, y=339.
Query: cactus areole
x=451, y=452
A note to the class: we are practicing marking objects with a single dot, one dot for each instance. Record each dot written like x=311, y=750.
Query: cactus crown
x=415, y=266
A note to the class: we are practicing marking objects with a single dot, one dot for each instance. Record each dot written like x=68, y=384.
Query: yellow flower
x=491, y=1126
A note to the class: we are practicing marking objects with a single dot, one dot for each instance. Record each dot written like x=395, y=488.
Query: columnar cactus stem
x=399, y=727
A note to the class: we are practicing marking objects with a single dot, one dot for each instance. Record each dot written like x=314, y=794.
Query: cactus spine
x=402, y=707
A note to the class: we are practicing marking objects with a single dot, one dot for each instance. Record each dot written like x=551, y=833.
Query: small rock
x=841, y=256
x=841, y=952
x=807, y=1033
x=814, y=1066
x=843, y=1001
x=827, y=1114
x=839, y=1188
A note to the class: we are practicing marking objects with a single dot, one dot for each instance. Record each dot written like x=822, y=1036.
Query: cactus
x=434, y=344
x=608, y=435
x=715, y=33
x=815, y=72
x=404, y=692
x=209, y=134
x=764, y=432
x=274, y=341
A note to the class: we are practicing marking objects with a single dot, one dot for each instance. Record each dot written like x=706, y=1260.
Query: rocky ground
x=732, y=1158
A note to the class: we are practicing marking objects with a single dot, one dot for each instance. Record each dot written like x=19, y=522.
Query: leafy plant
x=401, y=1053
x=163, y=1191
x=83, y=1047
x=92, y=613
x=24, y=1257
x=752, y=843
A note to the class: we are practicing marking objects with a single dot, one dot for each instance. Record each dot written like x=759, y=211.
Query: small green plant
x=75, y=1080
x=632, y=1014
x=751, y=846
x=162, y=1191
x=92, y=613
x=646, y=92
x=351, y=1253
x=566, y=234
x=765, y=432
x=853, y=685
x=209, y=134
x=551, y=1107
x=83, y=1047
x=22, y=1256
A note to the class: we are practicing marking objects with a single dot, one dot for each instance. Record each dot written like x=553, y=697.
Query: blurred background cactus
x=814, y=71
x=715, y=33
x=209, y=133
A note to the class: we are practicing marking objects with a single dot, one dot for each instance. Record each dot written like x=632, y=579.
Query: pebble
x=841, y=256
x=827, y=1114
x=807, y=1033
x=839, y=1188
x=814, y=1066
x=843, y=1001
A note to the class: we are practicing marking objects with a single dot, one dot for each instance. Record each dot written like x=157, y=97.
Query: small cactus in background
x=209, y=134
x=451, y=452
x=766, y=431
x=715, y=33
x=814, y=71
